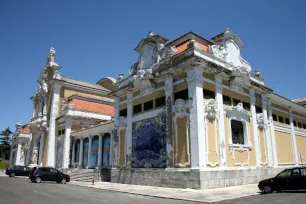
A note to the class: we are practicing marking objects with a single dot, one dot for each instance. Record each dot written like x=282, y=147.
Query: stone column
x=34, y=155
x=221, y=130
x=73, y=153
x=116, y=133
x=267, y=132
x=52, y=124
x=169, y=119
x=89, y=151
x=255, y=127
x=18, y=153
x=128, y=148
x=100, y=153
x=197, y=133
x=40, y=107
x=295, y=152
x=33, y=98
x=272, y=133
x=81, y=152
x=66, y=147
x=41, y=148
x=110, y=150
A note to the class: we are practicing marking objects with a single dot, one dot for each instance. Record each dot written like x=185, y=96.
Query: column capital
x=68, y=123
x=116, y=101
x=218, y=83
x=195, y=76
x=130, y=97
x=56, y=87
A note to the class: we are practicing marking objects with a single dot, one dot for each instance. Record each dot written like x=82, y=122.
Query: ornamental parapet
x=39, y=123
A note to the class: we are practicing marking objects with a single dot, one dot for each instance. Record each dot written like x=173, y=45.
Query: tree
x=5, y=138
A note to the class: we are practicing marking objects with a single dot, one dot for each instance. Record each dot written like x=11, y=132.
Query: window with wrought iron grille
x=237, y=132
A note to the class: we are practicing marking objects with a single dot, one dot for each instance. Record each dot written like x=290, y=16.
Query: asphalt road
x=21, y=191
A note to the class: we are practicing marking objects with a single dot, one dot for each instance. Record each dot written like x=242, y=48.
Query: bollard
x=93, y=181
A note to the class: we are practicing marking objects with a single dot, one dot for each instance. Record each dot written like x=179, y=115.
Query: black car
x=289, y=179
x=18, y=170
x=39, y=174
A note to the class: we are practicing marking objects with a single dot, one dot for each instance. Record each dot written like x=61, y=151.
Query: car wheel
x=63, y=181
x=267, y=189
x=38, y=180
x=12, y=174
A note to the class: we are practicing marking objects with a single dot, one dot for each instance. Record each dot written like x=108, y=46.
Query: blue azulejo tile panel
x=149, y=143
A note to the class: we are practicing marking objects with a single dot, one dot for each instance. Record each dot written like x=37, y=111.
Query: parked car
x=17, y=170
x=39, y=174
x=289, y=179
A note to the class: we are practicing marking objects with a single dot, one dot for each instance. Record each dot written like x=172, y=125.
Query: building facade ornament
x=180, y=108
x=229, y=51
x=260, y=121
x=211, y=109
x=143, y=80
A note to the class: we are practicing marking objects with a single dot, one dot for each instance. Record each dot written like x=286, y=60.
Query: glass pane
x=284, y=174
x=295, y=172
x=303, y=172
x=237, y=132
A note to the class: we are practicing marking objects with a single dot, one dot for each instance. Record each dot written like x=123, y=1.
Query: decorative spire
x=51, y=54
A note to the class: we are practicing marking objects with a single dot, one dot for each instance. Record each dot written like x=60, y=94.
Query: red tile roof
x=25, y=129
x=93, y=106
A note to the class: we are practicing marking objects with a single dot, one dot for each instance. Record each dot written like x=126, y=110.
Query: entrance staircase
x=83, y=175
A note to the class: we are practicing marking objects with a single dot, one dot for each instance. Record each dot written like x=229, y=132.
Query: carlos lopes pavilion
x=191, y=114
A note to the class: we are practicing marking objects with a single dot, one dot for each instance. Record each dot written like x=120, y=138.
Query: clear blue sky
x=94, y=39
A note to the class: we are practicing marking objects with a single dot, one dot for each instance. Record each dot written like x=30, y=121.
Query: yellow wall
x=301, y=147
x=212, y=137
x=284, y=148
x=182, y=156
x=121, y=149
x=236, y=158
x=262, y=146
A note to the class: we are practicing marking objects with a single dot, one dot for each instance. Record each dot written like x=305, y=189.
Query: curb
x=159, y=196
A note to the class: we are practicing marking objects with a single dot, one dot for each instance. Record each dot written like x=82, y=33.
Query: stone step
x=82, y=176
x=81, y=173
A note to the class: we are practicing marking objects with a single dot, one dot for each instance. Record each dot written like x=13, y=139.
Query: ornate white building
x=191, y=114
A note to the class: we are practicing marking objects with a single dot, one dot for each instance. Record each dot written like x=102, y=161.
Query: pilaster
x=273, y=139
x=41, y=148
x=197, y=133
x=221, y=129
x=128, y=148
x=169, y=134
x=51, y=137
x=116, y=133
x=294, y=147
x=18, y=153
x=66, y=147
x=255, y=127
x=266, y=131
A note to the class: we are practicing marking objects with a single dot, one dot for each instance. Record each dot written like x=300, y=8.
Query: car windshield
x=284, y=174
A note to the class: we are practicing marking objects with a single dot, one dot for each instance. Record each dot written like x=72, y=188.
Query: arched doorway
x=85, y=153
x=106, y=151
x=94, y=152
x=77, y=151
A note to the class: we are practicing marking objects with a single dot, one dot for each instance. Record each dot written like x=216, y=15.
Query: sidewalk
x=211, y=195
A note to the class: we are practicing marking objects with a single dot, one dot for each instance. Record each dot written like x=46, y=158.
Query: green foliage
x=3, y=164
x=5, y=138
